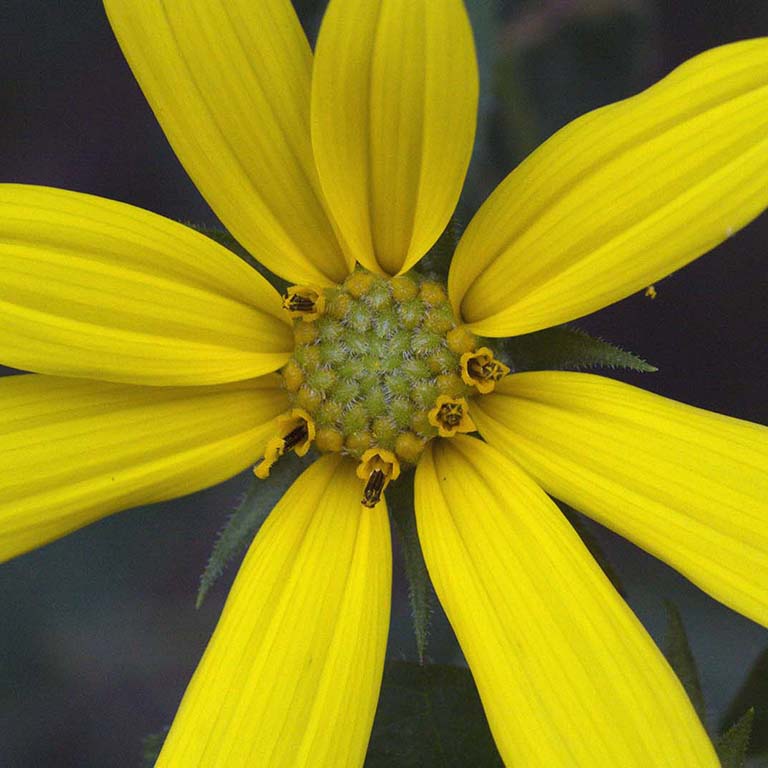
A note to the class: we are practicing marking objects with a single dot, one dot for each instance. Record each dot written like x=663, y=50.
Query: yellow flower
x=158, y=351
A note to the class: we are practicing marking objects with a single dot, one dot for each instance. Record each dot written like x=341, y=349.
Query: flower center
x=372, y=363
x=380, y=367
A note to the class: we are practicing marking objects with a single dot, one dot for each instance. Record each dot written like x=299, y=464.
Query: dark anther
x=451, y=414
x=373, y=489
x=487, y=371
x=297, y=303
x=296, y=436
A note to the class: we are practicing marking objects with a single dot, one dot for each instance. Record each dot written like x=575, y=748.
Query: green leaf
x=580, y=525
x=245, y=521
x=420, y=593
x=430, y=716
x=222, y=237
x=567, y=348
x=733, y=744
x=151, y=746
x=680, y=658
x=753, y=694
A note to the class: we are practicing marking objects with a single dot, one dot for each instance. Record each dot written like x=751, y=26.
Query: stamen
x=480, y=369
x=304, y=301
x=296, y=436
x=377, y=467
x=451, y=416
x=296, y=431
x=373, y=489
x=296, y=303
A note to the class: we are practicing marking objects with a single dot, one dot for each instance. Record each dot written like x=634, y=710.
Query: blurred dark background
x=98, y=632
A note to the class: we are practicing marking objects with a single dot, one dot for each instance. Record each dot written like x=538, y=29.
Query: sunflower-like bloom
x=162, y=364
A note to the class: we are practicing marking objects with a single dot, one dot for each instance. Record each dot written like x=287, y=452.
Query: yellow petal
x=73, y=451
x=229, y=82
x=98, y=289
x=567, y=675
x=292, y=674
x=394, y=104
x=687, y=485
x=621, y=197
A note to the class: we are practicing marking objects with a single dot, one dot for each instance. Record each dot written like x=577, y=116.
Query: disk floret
x=370, y=368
